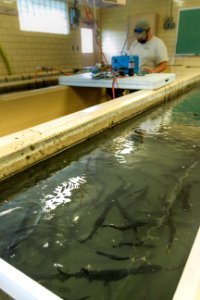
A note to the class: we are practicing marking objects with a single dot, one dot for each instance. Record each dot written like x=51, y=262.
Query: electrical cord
x=90, y=17
x=114, y=80
x=49, y=70
x=127, y=34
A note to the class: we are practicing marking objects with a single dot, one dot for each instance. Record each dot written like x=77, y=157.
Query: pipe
x=94, y=10
x=5, y=60
x=21, y=287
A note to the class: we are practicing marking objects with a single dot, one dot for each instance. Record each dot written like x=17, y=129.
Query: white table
x=146, y=82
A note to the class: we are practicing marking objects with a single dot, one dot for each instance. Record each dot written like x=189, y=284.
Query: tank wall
x=23, y=110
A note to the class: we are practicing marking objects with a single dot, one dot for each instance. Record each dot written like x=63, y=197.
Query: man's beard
x=142, y=41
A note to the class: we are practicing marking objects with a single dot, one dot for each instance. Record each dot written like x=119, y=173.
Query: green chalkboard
x=188, y=34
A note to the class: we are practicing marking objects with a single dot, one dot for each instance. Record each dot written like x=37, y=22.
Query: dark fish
x=139, y=131
x=110, y=274
x=134, y=225
x=135, y=244
x=20, y=234
x=137, y=135
x=123, y=212
x=99, y=221
x=112, y=256
x=135, y=195
x=141, y=193
x=82, y=298
x=176, y=193
x=183, y=196
x=123, y=244
x=172, y=230
x=22, y=217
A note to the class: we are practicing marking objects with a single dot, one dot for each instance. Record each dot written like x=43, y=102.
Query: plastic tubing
x=21, y=287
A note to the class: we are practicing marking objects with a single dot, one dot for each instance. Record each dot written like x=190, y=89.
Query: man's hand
x=159, y=68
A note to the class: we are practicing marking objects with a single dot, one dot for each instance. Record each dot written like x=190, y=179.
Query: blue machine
x=120, y=63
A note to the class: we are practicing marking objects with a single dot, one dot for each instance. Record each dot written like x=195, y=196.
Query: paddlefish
x=98, y=222
x=123, y=212
x=112, y=256
x=183, y=196
x=135, y=244
x=18, y=219
x=172, y=229
x=179, y=190
x=109, y=275
x=134, y=225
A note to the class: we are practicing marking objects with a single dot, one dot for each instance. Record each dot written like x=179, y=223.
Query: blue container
x=120, y=63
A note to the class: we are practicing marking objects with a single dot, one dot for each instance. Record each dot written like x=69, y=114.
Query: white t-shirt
x=150, y=53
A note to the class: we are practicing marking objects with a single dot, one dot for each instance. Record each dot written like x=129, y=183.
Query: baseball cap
x=140, y=27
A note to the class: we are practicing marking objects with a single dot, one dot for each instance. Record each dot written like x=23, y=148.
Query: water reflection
x=62, y=193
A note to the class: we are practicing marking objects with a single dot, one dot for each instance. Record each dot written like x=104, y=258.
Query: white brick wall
x=26, y=50
x=114, y=22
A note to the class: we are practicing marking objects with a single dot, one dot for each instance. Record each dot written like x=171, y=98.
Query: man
x=152, y=52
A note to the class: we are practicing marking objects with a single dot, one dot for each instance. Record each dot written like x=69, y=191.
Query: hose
x=5, y=60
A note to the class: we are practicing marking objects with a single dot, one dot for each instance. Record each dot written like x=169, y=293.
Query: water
x=115, y=217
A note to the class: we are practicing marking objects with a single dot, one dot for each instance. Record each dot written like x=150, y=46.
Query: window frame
x=85, y=44
x=39, y=16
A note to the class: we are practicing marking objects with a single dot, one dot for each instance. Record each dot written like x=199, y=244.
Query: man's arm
x=157, y=69
x=161, y=57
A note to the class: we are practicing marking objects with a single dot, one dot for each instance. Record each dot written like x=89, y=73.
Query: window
x=87, y=40
x=43, y=16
